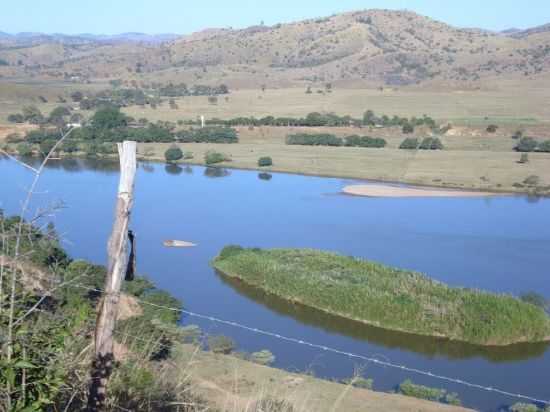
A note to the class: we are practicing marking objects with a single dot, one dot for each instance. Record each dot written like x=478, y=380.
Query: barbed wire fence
x=324, y=348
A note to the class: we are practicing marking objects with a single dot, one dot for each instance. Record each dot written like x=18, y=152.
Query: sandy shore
x=381, y=190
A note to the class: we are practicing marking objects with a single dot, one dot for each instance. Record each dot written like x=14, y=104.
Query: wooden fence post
x=116, y=268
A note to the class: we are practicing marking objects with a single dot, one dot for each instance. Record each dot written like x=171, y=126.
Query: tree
x=544, y=146
x=410, y=143
x=368, y=118
x=526, y=144
x=77, y=96
x=524, y=158
x=308, y=90
x=69, y=146
x=32, y=115
x=407, y=128
x=46, y=146
x=16, y=118
x=24, y=149
x=173, y=154
x=265, y=161
x=492, y=128
x=212, y=157
x=109, y=118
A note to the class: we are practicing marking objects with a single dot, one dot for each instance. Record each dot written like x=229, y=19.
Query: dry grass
x=233, y=384
x=466, y=166
x=509, y=105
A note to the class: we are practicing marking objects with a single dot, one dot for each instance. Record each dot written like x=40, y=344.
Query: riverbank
x=385, y=297
x=378, y=190
x=230, y=383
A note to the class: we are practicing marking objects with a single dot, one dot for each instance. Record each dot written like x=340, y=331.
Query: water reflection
x=425, y=345
x=147, y=167
x=188, y=170
x=265, y=176
x=216, y=172
x=173, y=169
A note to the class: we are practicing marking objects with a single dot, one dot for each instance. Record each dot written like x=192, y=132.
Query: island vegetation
x=386, y=297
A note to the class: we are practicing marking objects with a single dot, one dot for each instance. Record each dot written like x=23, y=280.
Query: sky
x=185, y=16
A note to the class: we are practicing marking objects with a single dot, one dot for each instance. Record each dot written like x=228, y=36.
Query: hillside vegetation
x=371, y=46
x=386, y=297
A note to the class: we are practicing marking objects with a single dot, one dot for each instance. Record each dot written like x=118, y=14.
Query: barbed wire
x=325, y=348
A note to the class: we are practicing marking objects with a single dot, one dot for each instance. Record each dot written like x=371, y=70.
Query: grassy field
x=386, y=297
x=509, y=106
x=472, y=158
x=484, y=163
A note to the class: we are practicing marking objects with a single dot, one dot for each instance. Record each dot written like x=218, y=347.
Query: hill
x=371, y=47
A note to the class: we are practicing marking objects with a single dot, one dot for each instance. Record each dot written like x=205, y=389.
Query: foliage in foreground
x=386, y=297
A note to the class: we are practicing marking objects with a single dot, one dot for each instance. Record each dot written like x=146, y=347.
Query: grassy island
x=386, y=297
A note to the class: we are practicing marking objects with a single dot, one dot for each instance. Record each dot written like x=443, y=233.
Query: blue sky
x=184, y=16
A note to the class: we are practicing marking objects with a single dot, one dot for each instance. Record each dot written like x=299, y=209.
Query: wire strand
x=333, y=350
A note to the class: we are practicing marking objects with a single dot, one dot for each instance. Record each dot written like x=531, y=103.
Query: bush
x=208, y=135
x=359, y=382
x=265, y=161
x=46, y=146
x=69, y=146
x=431, y=143
x=263, y=357
x=212, y=157
x=272, y=405
x=221, y=344
x=320, y=139
x=534, y=299
x=544, y=146
x=24, y=149
x=408, y=388
x=524, y=158
x=517, y=135
x=173, y=154
x=14, y=138
x=524, y=407
x=526, y=144
x=410, y=143
x=531, y=180
x=364, y=141
x=407, y=128
x=492, y=128
x=16, y=118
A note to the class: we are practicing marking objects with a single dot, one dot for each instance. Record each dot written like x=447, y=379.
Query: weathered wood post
x=116, y=268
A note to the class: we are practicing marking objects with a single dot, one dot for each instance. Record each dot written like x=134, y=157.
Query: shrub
x=410, y=143
x=517, y=135
x=526, y=144
x=408, y=388
x=524, y=407
x=263, y=357
x=69, y=146
x=544, y=146
x=46, y=146
x=14, y=138
x=531, y=180
x=173, y=154
x=492, y=128
x=320, y=139
x=212, y=157
x=407, y=128
x=32, y=115
x=524, y=158
x=265, y=161
x=359, y=382
x=272, y=405
x=24, y=149
x=221, y=344
x=364, y=141
x=209, y=134
x=534, y=299
x=431, y=143
x=16, y=118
